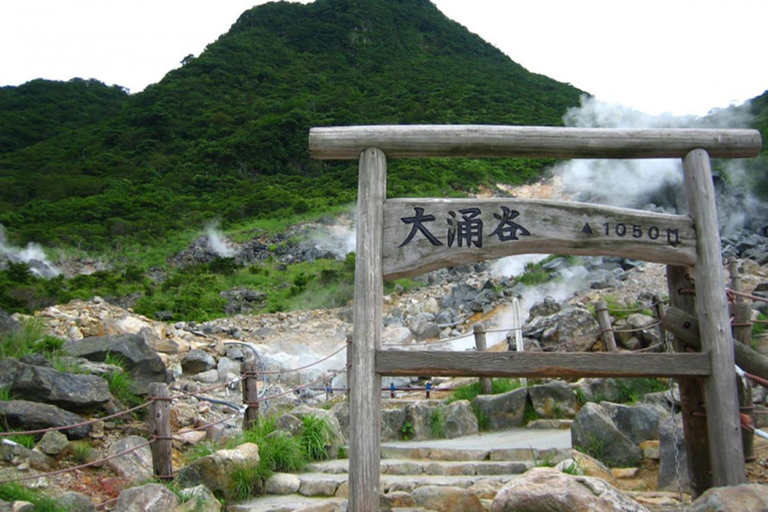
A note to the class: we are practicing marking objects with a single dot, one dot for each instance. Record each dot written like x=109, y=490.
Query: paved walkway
x=538, y=439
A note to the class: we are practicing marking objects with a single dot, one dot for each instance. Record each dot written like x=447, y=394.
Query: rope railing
x=205, y=390
x=76, y=425
x=449, y=340
x=294, y=389
x=81, y=466
x=291, y=370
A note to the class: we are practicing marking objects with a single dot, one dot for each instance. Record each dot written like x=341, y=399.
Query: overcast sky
x=677, y=56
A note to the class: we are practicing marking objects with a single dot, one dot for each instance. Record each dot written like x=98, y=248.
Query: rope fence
x=161, y=436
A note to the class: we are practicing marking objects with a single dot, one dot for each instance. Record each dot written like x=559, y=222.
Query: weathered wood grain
x=365, y=384
x=726, y=452
x=529, y=364
x=160, y=430
x=686, y=327
x=347, y=142
x=548, y=227
x=695, y=431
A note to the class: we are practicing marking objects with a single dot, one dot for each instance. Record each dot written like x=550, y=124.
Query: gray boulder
x=143, y=363
x=215, y=471
x=460, y=297
x=446, y=499
x=419, y=415
x=643, y=330
x=147, y=498
x=341, y=412
x=597, y=390
x=459, y=419
x=136, y=466
x=673, y=469
x=393, y=425
x=638, y=422
x=738, y=498
x=505, y=410
x=24, y=415
x=595, y=434
x=555, y=399
x=572, y=329
x=73, y=392
x=547, y=489
x=423, y=327
x=76, y=501
x=52, y=443
x=197, y=361
x=7, y=324
x=198, y=499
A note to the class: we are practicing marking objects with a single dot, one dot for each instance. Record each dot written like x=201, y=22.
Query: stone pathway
x=491, y=459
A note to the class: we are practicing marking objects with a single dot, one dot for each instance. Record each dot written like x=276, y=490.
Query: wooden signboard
x=426, y=234
x=405, y=237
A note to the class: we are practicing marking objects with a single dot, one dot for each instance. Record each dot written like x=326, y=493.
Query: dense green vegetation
x=44, y=109
x=225, y=135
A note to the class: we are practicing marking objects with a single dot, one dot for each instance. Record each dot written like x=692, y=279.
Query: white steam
x=217, y=242
x=33, y=255
x=652, y=184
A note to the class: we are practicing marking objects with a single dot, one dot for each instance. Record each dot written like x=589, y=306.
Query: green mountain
x=225, y=136
x=42, y=109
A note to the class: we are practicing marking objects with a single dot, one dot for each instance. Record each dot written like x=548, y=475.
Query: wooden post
x=691, y=391
x=658, y=312
x=160, y=430
x=726, y=452
x=250, y=395
x=742, y=332
x=606, y=330
x=365, y=383
x=480, y=345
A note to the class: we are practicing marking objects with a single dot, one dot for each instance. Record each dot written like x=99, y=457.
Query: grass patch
x=407, y=431
x=246, y=482
x=632, y=390
x=316, y=437
x=529, y=414
x=437, y=423
x=278, y=452
x=472, y=390
x=13, y=491
x=120, y=382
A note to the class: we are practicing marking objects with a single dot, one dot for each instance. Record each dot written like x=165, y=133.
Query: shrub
x=316, y=437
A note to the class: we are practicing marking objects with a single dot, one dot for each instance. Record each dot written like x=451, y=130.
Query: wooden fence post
x=160, y=430
x=365, y=384
x=480, y=345
x=250, y=395
x=691, y=391
x=742, y=332
x=724, y=426
x=606, y=330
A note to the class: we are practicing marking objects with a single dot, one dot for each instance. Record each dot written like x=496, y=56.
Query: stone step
x=465, y=455
x=430, y=467
x=292, y=502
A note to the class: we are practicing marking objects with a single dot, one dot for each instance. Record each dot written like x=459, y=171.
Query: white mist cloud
x=32, y=254
x=633, y=183
x=218, y=242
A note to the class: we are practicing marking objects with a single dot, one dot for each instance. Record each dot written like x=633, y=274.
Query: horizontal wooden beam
x=540, y=364
x=479, y=141
x=685, y=327
x=425, y=234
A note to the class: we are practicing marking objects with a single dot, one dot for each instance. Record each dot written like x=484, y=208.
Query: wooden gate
x=406, y=237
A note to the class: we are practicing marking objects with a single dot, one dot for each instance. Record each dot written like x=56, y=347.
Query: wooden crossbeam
x=540, y=364
x=477, y=141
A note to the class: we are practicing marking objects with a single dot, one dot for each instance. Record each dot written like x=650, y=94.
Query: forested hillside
x=43, y=109
x=225, y=135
